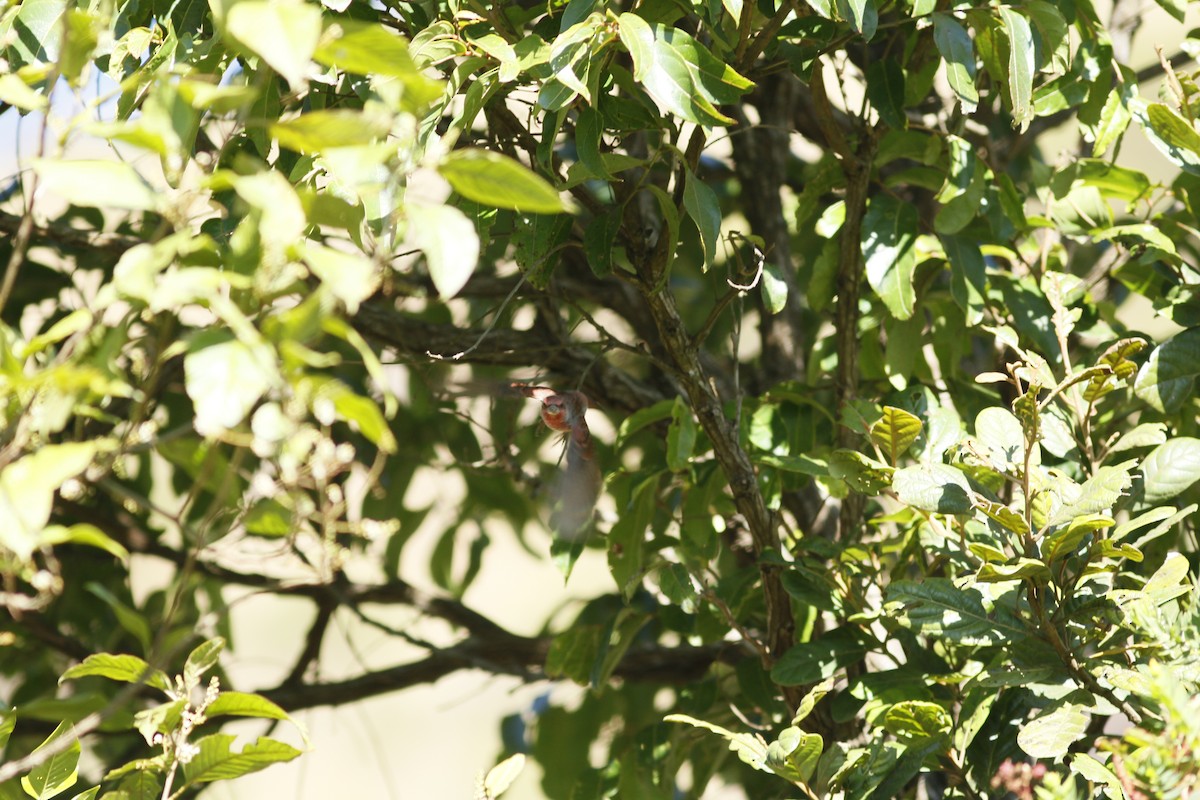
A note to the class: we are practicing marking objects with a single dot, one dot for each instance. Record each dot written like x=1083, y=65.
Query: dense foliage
x=898, y=501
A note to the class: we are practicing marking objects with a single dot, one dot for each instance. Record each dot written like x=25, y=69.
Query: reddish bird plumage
x=580, y=483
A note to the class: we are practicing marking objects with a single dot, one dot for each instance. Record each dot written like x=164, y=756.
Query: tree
x=897, y=499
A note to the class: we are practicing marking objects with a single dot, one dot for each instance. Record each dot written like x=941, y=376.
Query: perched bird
x=579, y=483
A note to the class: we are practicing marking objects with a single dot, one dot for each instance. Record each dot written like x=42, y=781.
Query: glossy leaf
x=701, y=203
x=889, y=235
x=58, y=772
x=681, y=436
x=958, y=52
x=895, y=432
x=679, y=72
x=496, y=180
x=129, y=669
x=1021, y=65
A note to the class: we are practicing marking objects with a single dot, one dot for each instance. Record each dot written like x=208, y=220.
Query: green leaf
x=889, y=231
x=933, y=487
x=863, y=474
x=329, y=394
x=1139, y=234
x=1171, y=468
x=1020, y=569
x=372, y=49
x=588, y=130
x=968, y=276
x=58, y=772
x=1176, y=8
x=501, y=776
x=1169, y=581
x=320, y=130
x=129, y=669
x=268, y=517
x=1051, y=735
x=681, y=436
x=27, y=488
x=96, y=184
x=794, y=755
x=1063, y=541
x=680, y=73
x=895, y=432
x=700, y=202
x=15, y=92
x=1092, y=770
x=819, y=659
x=88, y=794
x=750, y=749
x=804, y=465
x=35, y=35
x=496, y=180
x=917, y=719
x=282, y=34
x=643, y=417
x=627, y=539
x=225, y=378
x=242, y=704
x=861, y=14
x=1021, y=66
x=8, y=721
x=958, y=52
x=217, y=761
x=1004, y=515
x=963, y=191
x=1099, y=493
x=85, y=534
x=202, y=659
x=1173, y=135
x=160, y=719
x=1167, y=380
x=885, y=90
x=936, y=607
x=130, y=619
x=350, y=276
x=450, y=244
x=1147, y=434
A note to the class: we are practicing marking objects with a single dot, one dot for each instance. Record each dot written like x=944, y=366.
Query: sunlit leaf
x=497, y=180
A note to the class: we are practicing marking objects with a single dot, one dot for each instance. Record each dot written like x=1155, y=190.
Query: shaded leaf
x=1168, y=378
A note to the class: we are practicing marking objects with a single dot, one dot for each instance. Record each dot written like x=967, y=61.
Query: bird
x=578, y=486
